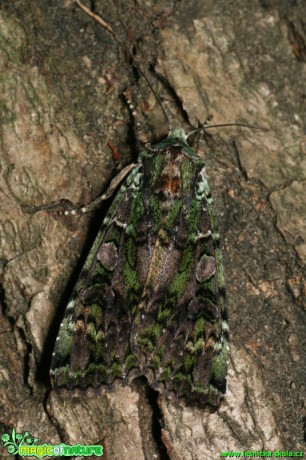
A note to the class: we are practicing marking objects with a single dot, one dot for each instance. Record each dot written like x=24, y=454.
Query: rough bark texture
x=62, y=76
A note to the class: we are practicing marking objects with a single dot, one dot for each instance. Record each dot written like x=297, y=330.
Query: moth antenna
x=224, y=125
x=104, y=24
x=153, y=91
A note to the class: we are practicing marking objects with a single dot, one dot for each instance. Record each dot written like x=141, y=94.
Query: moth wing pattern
x=179, y=333
x=91, y=345
x=150, y=299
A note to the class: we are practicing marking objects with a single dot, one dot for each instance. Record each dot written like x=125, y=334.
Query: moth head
x=177, y=133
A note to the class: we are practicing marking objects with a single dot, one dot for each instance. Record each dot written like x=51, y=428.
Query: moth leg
x=59, y=206
x=112, y=187
x=67, y=208
x=140, y=133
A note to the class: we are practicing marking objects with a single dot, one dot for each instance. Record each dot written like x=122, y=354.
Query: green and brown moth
x=150, y=299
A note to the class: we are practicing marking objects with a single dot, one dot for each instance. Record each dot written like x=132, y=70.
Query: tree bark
x=63, y=122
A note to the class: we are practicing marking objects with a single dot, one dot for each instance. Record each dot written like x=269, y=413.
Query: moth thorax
x=170, y=182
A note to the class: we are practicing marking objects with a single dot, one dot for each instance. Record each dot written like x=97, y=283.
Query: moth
x=150, y=300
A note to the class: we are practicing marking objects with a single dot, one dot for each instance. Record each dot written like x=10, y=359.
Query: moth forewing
x=150, y=299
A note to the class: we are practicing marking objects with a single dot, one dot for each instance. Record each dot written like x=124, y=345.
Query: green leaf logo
x=13, y=441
